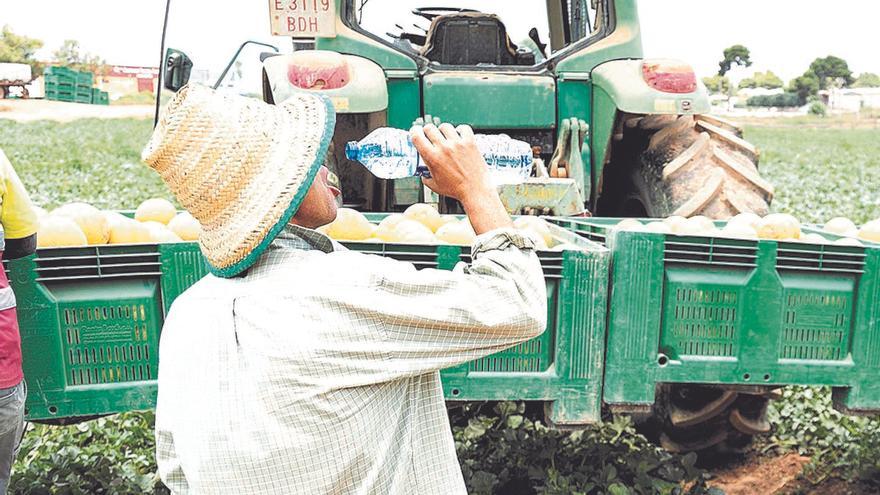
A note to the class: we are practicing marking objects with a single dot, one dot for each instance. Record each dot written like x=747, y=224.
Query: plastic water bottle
x=389, y=154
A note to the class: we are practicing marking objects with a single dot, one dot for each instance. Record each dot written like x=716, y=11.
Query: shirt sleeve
x=434, y=319
x=17, y=214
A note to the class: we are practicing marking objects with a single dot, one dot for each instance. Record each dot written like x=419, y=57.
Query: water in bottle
x=389, y=154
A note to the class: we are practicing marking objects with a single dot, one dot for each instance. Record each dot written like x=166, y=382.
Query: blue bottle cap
x=352, y=150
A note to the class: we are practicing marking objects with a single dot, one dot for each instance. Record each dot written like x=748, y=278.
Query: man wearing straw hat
x=299, y=366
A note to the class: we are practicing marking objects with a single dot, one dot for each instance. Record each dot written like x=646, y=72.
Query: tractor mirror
x=177, y=69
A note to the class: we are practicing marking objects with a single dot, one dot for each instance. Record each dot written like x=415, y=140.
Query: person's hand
x=451, y=155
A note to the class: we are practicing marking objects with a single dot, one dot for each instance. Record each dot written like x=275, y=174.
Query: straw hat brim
x=240, y=166
x=295, y=203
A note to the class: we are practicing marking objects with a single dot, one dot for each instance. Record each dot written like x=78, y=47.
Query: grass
x=93, y=160
x=821, y=173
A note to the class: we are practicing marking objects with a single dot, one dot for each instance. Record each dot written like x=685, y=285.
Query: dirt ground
x=30, y=110
x=759, y=475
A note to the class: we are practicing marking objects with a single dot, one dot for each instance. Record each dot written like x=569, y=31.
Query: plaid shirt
x=317, y=371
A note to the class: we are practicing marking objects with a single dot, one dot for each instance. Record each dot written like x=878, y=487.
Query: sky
x=783, y=35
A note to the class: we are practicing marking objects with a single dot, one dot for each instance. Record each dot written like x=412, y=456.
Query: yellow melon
x=386, y=227
x=160, y=233
x=779, y=226
x=459, y=233
x=629, y=224
x=746, y=218
x=350, y=225
x=870, y=231
x=425, y=214
x=813, y=238
x=447, y=219
x=185, y=226
x=114, y=217
x=841, y=226
x=58, y=231
x=848, y=241
x=155, y=210
x=90, y=220
x=702, y=224
x=412, y=232
x=659, y=227
x=129, y=232
x=738, y=230
x=537, y=225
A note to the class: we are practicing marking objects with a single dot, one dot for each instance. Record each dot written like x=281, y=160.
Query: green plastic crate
x=59, y=95
x=99, y=97
x=691, y=309
x=85, y=79
x=79, y=307
x=59, y=81
x=60, y=71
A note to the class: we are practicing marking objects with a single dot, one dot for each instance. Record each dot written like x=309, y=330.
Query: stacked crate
x=65, y=84
x=60, y=83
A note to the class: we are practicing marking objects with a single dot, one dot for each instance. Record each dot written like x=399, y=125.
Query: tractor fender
x=623, y=82
x=354, y=84
x=618, y=86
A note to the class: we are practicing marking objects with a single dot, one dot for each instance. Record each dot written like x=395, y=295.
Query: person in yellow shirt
x=18, y=238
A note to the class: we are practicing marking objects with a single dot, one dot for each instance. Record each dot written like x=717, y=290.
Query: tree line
x=16, y=48
x=823, y=73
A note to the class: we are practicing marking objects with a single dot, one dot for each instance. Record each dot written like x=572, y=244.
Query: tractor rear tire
x=696, y=165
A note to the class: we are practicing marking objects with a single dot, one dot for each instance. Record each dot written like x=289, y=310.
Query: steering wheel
x=430, y=13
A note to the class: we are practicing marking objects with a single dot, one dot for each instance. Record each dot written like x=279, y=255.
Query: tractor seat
x=472, y=38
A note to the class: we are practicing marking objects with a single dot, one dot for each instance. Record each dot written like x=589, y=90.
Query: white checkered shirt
x=317, y=371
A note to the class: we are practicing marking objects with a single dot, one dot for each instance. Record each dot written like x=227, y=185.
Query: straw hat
x=240, y=166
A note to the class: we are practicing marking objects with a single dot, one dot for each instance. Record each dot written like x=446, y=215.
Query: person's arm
x=459, y=171
x=17, y=214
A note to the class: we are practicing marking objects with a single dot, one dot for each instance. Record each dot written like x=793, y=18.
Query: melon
x=702, y=223
x=848, y=241
x=386, y=227
x=738, y=230
x=870, y=231
x=779, y=226
x=458, y=233
x=155, y=210
x=746, y=218
x=411, y=232
x=813, y=238
x=537, y=225
x=159, y=233
x=447, y=219
x=425, y=214
x=659, y=227
x=565, y=246
x=350, y=225
x=58, y=231
x=114, y=217
x=185, y=226
x=630, y=224
x=90, y=220
x=129, y=232
x=841, y=226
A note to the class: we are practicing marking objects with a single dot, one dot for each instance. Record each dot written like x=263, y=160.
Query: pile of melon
x=81, y=224
x=422, y=224
x=776, y=226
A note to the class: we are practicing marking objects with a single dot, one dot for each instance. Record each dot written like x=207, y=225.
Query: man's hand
x=459, y=171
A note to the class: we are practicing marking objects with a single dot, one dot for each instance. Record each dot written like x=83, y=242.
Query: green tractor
x=613, y=134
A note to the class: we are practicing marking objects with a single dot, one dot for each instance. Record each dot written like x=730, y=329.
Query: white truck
x=14, y=76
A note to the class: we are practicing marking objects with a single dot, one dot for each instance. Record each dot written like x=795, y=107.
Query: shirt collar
x=296, y=237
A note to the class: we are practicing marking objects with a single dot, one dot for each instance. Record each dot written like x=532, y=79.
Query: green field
x=819, y=172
